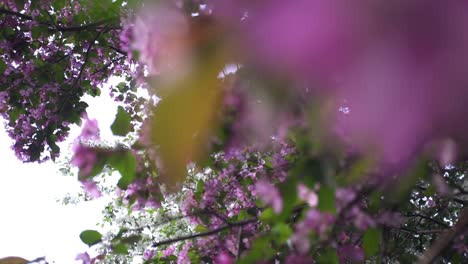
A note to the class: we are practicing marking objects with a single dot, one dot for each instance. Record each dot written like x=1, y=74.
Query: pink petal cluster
x=84, y=157
x=159, y=35
x=307, y=195
x=270, y=195
x=90, y=129
x=400, y=65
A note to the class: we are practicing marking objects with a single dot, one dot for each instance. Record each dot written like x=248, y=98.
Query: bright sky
x=32, y=223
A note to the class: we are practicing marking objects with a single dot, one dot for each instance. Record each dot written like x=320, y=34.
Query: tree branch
x=446, y=239
x=118, y=50
x=207, y=233
x=13, y=13
x=92, y=25
x=429, y=219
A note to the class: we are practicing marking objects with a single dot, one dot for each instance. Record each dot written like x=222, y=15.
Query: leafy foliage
x=261, y=137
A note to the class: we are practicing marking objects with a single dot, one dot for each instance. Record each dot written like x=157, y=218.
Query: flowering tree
x=310, y=131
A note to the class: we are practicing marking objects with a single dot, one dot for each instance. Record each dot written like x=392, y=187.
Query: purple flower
x=84, y=257
x=168, y=251
x=307, y=195
x=84, y=158
x=183, y=257
x=160, y=35
x=351, y=254
x=296, y=259
x=299, y=37
x=270, y=195
x=91, y=188
x=148, y=254
x=90, y=129
x=224, y=258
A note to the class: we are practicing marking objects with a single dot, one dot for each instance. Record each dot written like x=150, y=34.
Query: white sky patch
x=228, y=69
x=32, y=223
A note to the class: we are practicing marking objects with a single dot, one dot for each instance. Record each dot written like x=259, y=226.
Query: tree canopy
x=326, y=131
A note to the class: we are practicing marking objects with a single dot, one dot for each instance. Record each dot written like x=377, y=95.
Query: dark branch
x=442, y=243
x=85, y=26
x=93, y=25
x=13, y=13
x=429, y=219
x=423, y=232
x=207, y=233
x=107, y=65
x=86, y=59
x=118, y=50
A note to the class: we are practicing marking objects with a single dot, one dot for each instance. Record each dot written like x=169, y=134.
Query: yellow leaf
x=184, y=120
x=13, y=260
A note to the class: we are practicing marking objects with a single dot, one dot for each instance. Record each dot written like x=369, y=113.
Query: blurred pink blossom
x=160, y=32
x=307, y=195
x=90, y=129
x=84, y=158
x=270, y=195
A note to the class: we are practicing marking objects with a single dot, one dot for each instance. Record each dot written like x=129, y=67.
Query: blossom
x=183, y=257
x=84, y=257
x=90, y=129
x=399, y=65
x=307, y=195
x=297, y=259
x=351, y=254
x=160, y=36
x=168, y=251
x=301, y=38
x=84, y=158
x=91, y=187
x=270, y=195
x=148, y=254
x=224, y=258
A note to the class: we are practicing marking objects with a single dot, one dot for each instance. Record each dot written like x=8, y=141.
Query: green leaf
x=289, y=195
x=90, y=237
x=125, y=163
x=328, y=257
x=261, y=250
x=282, y=233
x=200, y=189
x=3, y=66
x=371, y=240
x=121, y=125
x=326, y=199
x=267, y=215
x=131, y=239
x=201, y=229
x=120, y=249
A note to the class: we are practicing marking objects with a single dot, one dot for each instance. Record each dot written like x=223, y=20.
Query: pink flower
x=224, y=258
x=270, y=195
x=351, y=254
x=84, y=257
x=183, y=257
x=91, y=188
x=307, y=195
x=148, y=254
x=160, y=35
x=90, y=129
x=301, y=37
x=84, y=158
x=168, y=251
